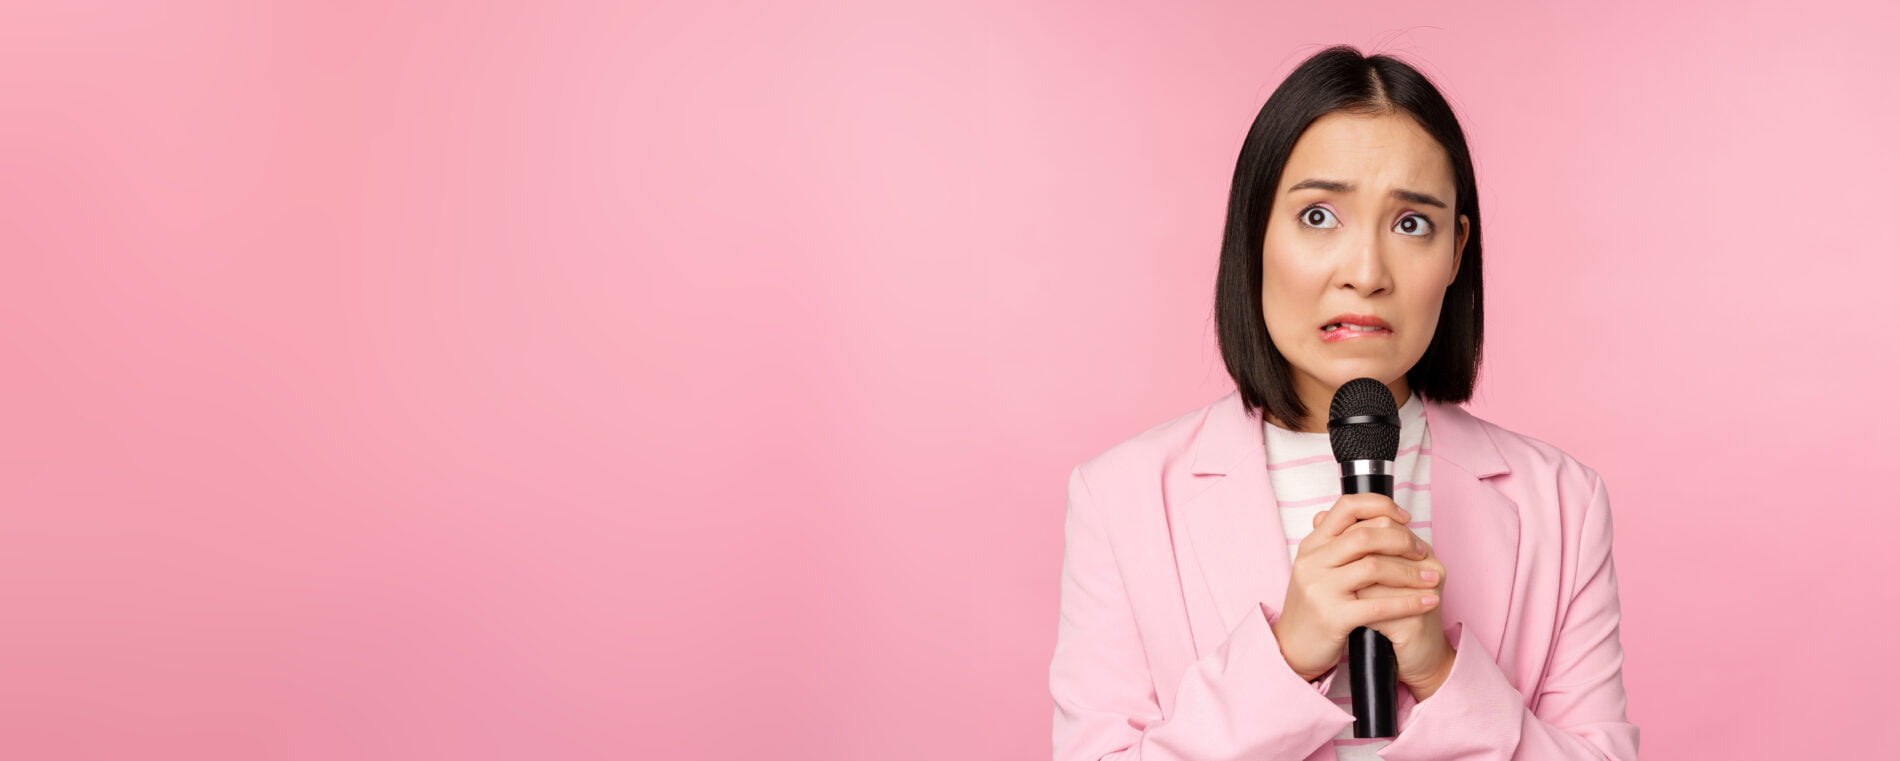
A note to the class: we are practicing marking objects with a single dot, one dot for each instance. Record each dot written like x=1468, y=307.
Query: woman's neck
x=1319, y=405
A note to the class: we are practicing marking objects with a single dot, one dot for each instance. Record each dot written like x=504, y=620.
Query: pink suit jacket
x=1175, y=567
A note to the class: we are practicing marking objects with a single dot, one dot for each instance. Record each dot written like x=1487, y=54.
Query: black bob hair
x=1339, y=78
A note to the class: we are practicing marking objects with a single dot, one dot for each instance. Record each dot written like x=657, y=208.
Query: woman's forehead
x=1383, y=151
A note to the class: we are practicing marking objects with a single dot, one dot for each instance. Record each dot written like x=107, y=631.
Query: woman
x=1352, y=249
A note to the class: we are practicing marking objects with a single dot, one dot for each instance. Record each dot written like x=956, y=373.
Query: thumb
x=1317, y=517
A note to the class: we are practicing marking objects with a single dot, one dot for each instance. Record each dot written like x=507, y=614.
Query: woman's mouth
x=1345, y=331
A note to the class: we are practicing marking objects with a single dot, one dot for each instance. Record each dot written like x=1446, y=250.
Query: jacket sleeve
x=1240, y=701
x=1580, y=706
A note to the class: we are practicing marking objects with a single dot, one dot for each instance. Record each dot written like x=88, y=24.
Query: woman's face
x=1361, y=225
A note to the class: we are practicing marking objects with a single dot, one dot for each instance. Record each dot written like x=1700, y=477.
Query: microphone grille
x=1367, y=440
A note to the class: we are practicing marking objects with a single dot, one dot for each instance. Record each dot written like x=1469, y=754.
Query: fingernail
x=1428, y=575
x=1429, y=600
x=1418, y=544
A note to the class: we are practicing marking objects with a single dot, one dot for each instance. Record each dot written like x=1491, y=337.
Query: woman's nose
x=1364, y=269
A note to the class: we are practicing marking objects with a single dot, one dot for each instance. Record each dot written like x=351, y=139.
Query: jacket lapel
x=1240, y=548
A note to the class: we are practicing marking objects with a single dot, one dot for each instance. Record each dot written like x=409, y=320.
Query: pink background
x=566, y=381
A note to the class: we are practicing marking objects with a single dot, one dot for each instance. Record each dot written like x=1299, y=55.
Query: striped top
x=1305, y=479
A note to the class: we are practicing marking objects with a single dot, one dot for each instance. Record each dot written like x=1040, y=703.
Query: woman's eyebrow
x=1347, y=187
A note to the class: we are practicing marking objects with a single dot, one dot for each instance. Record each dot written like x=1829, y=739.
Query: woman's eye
x=1316, y=216
x=1415, y=224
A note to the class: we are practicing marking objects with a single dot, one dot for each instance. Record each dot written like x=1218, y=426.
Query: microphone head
x=1375, y=436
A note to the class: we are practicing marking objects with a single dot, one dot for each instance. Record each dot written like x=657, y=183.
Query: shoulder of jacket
x=1540, y=462
x=1150, y=453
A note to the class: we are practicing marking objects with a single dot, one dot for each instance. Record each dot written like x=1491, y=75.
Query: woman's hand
x=1361, y=566
x=1423, y=653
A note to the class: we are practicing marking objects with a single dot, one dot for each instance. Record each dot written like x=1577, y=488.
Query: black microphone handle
x=1375, y=670
x=1375, y=706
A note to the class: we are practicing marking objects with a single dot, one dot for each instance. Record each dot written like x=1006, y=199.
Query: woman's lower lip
x=1347, y=334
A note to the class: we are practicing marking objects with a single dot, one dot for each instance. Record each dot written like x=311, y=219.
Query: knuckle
x=1347, y=572
x=1368, y=569
x=1379, y=570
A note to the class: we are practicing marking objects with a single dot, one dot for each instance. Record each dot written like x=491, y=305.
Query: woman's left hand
x=1419, y=644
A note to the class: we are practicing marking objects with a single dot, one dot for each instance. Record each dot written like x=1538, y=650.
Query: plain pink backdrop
x=551, y=380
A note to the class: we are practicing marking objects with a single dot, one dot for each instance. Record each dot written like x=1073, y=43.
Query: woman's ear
x=1458, y=254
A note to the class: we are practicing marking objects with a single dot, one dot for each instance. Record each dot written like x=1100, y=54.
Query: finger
x=1386, y=572
x=1402, y=517
x=1377, y=521
x=1363, y=540
x=1352, y=508
x=1367, y=612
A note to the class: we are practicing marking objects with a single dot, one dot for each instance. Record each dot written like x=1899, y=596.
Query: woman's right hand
x=1361, y=541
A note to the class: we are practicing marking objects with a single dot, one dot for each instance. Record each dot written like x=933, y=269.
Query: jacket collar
x=1239, y=546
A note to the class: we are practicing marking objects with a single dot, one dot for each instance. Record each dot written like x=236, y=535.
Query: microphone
x=1364, y=430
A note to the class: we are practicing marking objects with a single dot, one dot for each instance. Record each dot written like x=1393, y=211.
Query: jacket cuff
x=1304, y=702
x=1476, y=714
x=1324, y=683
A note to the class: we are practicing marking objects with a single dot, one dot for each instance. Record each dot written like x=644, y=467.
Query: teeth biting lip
x=1348, y=324
x=1336, y=332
